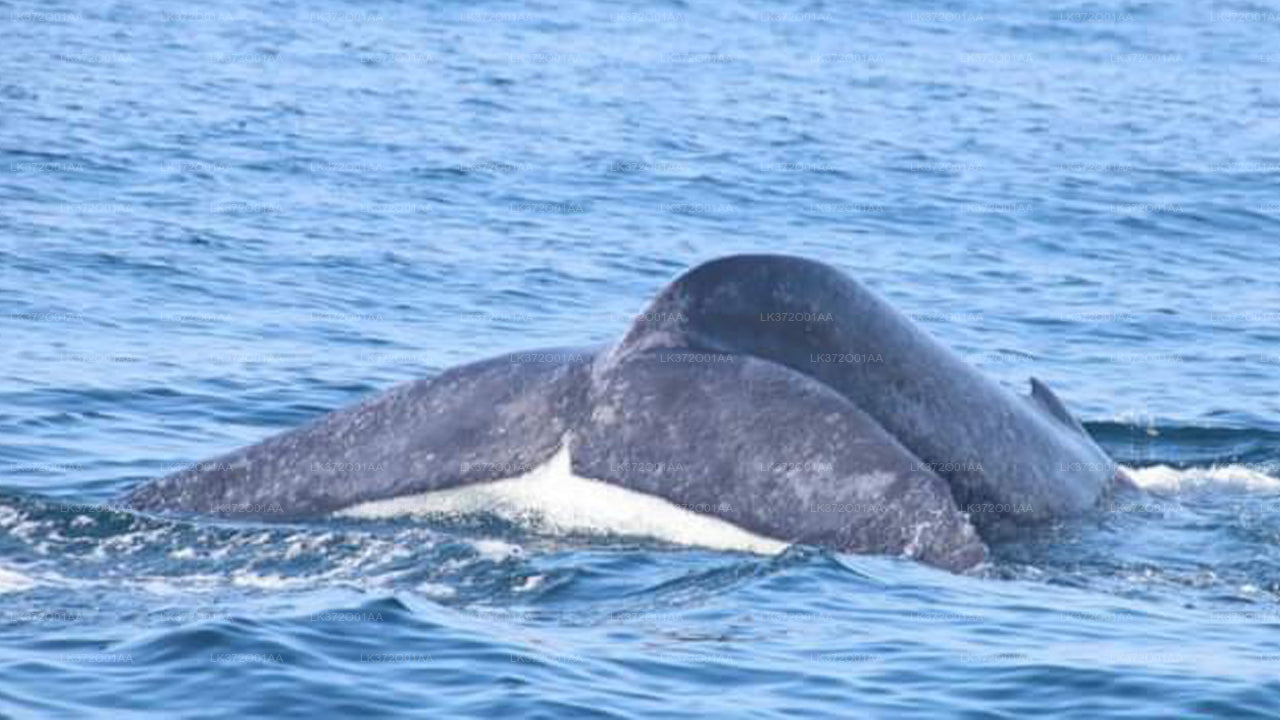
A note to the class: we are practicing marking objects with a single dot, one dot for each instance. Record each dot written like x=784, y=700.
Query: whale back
x=1005, y=458
x=770, y=450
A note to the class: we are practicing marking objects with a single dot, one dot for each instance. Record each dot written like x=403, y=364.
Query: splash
x=1235, y=476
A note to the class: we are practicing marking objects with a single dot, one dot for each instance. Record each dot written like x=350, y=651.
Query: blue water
x=220, y=219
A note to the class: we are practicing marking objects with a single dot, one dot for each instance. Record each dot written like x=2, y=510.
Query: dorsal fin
x=1045, y=398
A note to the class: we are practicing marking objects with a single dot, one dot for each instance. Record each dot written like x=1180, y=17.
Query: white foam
x=437, y=590
x=496, y=550
x=273, y=581
x=533, y=582
x=11, y=581
x=1165, y=478
x=552, y=498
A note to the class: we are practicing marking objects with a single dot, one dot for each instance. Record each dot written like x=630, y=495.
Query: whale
x=757, y=402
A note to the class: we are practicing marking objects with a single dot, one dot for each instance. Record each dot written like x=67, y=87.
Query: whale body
x=761, y=400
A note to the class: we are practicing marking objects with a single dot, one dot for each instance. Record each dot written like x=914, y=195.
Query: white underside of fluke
x=551, y=498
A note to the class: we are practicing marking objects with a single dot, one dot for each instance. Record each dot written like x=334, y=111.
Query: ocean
x=219, y=220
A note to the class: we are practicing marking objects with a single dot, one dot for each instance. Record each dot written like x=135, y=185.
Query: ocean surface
x=220, y=219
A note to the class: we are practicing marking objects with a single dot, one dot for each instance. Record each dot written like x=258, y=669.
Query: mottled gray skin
x=718, y=405
x=483, y=421
x=994, y=447
x=771, y=451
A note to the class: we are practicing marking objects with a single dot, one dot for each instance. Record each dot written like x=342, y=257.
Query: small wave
x=1168, y=478
x=98, y=548
x=11, y=582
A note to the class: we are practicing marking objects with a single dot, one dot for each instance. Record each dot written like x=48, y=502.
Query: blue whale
x=770, y=396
